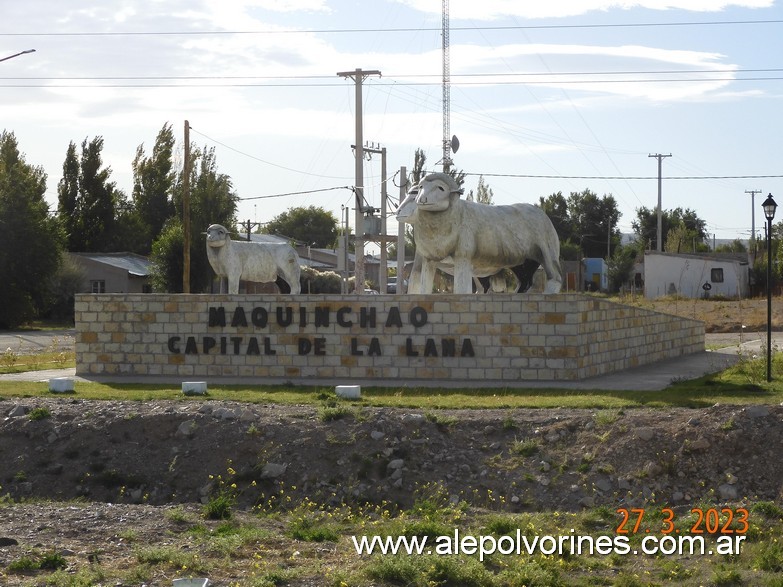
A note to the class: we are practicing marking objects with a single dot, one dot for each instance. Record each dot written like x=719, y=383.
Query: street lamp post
x=18, y=54
x=769, y=207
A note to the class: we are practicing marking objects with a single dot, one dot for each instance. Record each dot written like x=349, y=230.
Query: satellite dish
x=454, y=144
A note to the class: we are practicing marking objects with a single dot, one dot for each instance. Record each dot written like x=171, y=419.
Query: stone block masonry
x=485, y=340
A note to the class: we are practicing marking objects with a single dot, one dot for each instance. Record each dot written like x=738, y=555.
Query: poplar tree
x=31, y=249
x=153, y=184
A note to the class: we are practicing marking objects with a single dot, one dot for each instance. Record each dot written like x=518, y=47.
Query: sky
x=545, y=97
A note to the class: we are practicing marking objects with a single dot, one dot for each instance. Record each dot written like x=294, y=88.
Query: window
x=98, y=286
x=716, y=275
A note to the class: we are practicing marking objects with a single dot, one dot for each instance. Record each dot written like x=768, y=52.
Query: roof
x=741, y=258
x=134, y=264
x=268, y=238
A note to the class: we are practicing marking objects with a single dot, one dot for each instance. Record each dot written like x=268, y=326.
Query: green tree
x=680, y=239
x=483, y=194
x=98, y=198
x=312, y=225
x=735, y=246
x=87, y=201
x=212, y=201
x=153, y=184
x=646, y=224
x=32, y=242
x=594, y=221
x=621, y=264
x=167, y=258
x=584, y=220
x=556, y=207
x=68, y=199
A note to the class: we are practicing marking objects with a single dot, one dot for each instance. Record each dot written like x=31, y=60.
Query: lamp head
x=769, y=206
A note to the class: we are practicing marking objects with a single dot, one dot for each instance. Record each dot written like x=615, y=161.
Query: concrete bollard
x=194, y=387
x=61, y=385
x=349, y=391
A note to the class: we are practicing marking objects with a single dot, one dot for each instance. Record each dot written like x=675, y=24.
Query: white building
x=696, y=275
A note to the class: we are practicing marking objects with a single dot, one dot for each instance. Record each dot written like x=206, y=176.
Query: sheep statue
x=478, y=239
x=489, y=280
x=260, y=262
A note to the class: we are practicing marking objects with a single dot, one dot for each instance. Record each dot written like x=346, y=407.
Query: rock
x=18, y=411
x=395, y=464
x=186, y=429
x=645, y=433
x=756, y=411
x=728, y=492
x=377, y=434
x=225, y=414
x=697, y=445
x=604, y=485
x=273, y=470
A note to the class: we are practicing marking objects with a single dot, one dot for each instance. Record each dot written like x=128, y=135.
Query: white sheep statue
x=491, y=279
x=249, y=261
x=477, y=239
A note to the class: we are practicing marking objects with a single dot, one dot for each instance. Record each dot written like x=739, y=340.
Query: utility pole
x=383, y=273
x=660, y=210
x=752, y=213
x=401, y=236
x=248, y=226
x=186, y=212
x=358, y=77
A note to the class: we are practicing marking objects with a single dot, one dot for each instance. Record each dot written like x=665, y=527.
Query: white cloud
x=493, y=9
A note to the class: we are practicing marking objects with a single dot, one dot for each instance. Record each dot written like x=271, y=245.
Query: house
x=696, y=275
x=596, y=274
x=114, y=272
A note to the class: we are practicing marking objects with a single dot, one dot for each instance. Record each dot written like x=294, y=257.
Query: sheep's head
x=435, y=192
x=217, y=236
x=407, y=210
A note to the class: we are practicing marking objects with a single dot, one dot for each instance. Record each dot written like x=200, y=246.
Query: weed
x=767, y=509
x=312, y=528
x=604, y=418
x=331, y=413
x=224, y=497
x=724, y=577
x=9, y=358
x=440, y=420
x=770, y=557
x=525, y=448
x=39, y=414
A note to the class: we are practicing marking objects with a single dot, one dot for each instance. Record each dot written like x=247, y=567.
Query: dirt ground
x=124, y=461
x=718, y=315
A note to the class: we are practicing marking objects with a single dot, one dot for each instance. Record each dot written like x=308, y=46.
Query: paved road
x=35, y=341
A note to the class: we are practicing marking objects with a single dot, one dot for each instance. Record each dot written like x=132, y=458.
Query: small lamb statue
x=249, y=261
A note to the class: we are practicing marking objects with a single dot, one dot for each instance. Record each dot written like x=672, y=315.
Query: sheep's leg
x=463, y=276
x=290, y=277
x=427, y=276
x=233, y=284
x=414, y=281
x=554, y=281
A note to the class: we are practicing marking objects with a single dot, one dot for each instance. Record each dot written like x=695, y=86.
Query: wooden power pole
x=186, y=212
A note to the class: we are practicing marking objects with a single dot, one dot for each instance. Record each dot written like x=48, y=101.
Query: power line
x=394, y=30
x=637, y=177
x=248, y=155
x=341, y=187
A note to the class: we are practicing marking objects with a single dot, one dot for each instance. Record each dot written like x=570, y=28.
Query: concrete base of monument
x=479, y=341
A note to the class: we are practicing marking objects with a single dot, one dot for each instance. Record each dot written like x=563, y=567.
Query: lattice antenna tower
x=450, y=143
x=446, y=89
